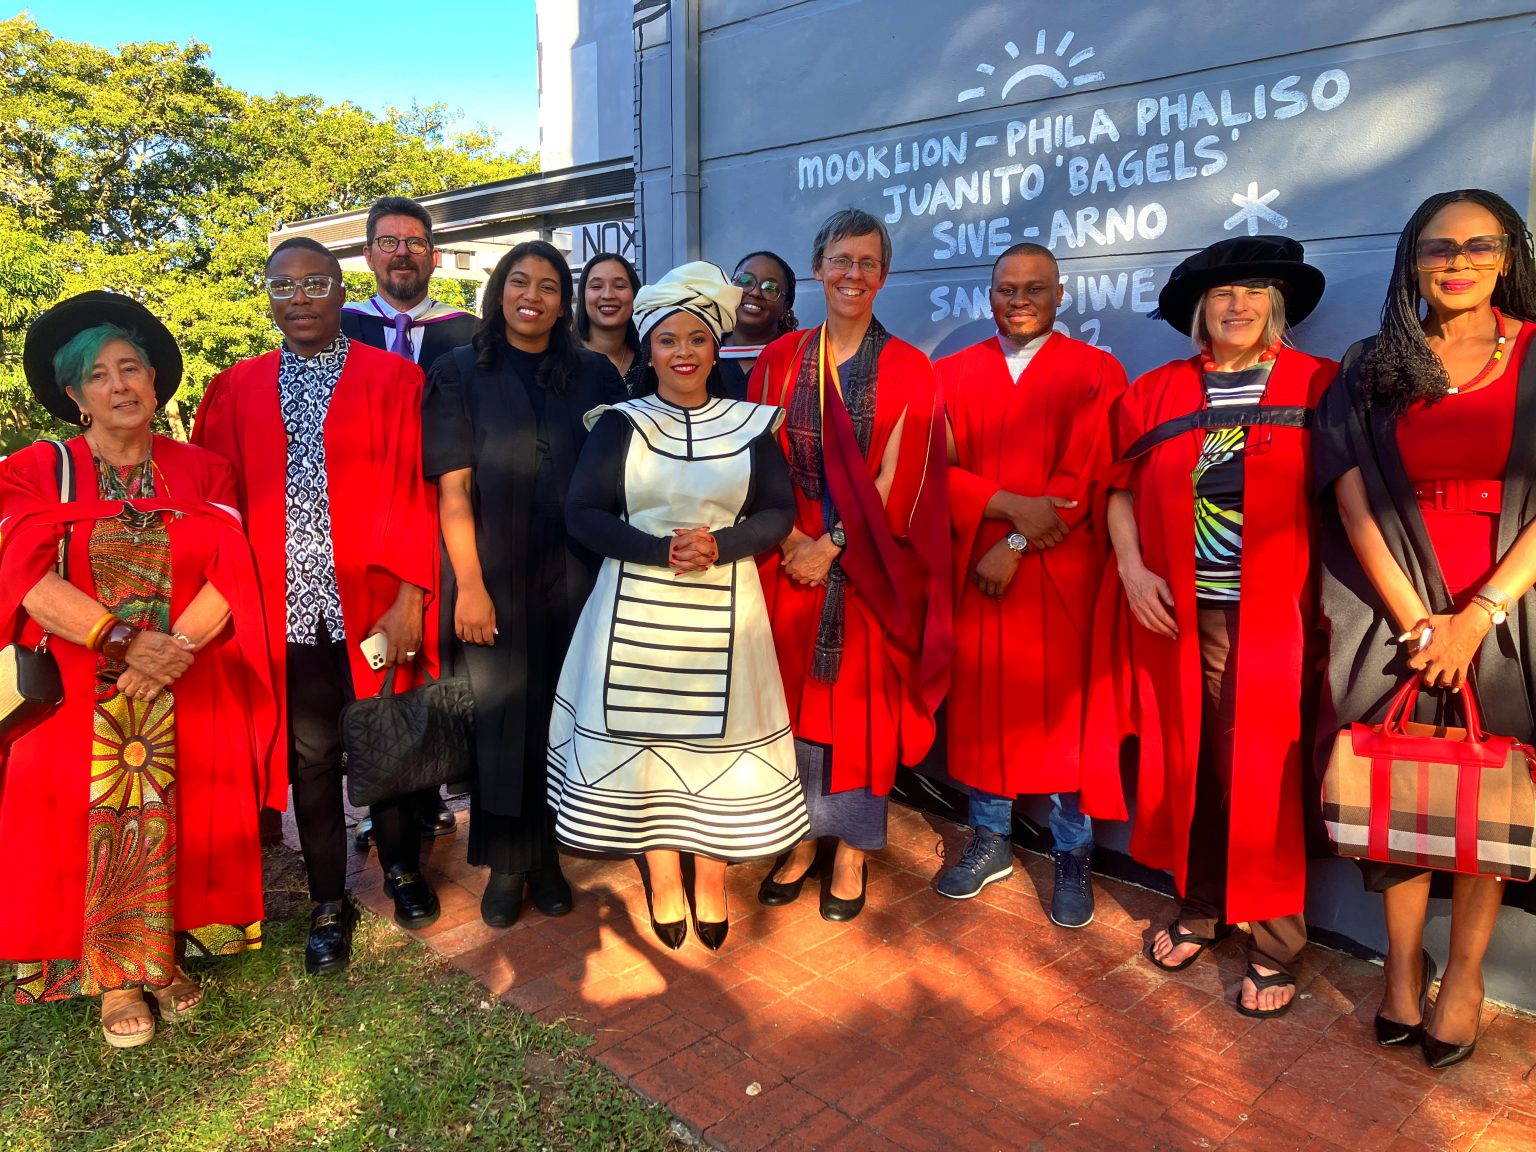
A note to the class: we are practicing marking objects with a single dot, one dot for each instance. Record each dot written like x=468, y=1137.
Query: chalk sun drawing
x=1044, y=68
x=1253, y=208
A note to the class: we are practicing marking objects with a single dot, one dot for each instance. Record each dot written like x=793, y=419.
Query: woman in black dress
x=502, y=426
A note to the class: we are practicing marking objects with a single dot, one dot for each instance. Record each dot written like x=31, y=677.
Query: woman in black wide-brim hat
x=129, y=813
x=1211, y=589
x=1426, y=471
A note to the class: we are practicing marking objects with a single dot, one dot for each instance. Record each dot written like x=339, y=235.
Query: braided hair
x=1400, y=369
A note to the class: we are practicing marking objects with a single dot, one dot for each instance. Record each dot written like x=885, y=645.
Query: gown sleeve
x=596, y=494
x=447, y=432
x=1335, y=430
x=771, y=510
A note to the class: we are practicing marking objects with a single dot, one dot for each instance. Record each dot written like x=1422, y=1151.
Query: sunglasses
x=1480, y=251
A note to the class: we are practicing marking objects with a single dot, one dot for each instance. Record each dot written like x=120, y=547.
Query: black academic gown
x=487, y=421
x=1366, y=665
x=437, y=338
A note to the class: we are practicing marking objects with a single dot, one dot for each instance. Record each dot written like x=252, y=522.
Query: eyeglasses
x=746, y=282
x=843, y=264
x=415, y=245
x=315, y=287
x=1480, y=251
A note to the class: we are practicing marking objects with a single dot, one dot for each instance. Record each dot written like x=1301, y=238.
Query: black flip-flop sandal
x=1180, y=935
x=1261, y=982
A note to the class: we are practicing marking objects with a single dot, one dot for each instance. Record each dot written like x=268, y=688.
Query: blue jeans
x=1070, y=829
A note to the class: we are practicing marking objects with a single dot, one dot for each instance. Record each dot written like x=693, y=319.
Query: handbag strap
x=1408, y=695
x=1207, y=419
x=64, y=473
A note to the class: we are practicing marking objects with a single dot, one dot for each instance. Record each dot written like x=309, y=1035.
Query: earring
x=85, y=419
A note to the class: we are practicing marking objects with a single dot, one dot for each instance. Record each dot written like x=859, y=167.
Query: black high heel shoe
x=1438, y=1054
x=673, y=932
x=712, y=933
x=775, y=893
x=838, y=910
x=1391, y=1033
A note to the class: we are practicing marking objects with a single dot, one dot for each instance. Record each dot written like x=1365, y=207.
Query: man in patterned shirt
x=325, y=438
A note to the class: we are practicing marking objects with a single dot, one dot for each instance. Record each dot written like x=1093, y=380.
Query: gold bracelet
x=93, y=637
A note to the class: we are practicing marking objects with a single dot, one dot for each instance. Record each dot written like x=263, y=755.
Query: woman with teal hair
x=130, y=811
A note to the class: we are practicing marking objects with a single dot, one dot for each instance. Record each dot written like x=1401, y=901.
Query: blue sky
x=375, y=55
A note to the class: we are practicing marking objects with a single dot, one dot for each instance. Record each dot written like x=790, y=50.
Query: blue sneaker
x=1072, y=899
x=987, y=857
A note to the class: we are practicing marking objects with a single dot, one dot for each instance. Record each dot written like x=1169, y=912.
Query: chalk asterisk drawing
x=1253, y=208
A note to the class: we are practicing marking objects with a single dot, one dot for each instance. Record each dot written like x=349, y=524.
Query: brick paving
x=931, y=1024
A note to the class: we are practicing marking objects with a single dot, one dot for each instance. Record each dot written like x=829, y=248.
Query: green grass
x=401, y=1053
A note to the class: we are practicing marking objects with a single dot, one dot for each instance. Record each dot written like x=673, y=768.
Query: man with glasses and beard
x=401, y=317
x=324, y=435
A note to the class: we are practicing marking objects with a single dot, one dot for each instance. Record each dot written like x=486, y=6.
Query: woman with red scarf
x=859, y=593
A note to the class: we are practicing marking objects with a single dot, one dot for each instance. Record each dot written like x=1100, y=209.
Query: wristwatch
x=839, y=537
x=1018, y=541
x=1493, y=601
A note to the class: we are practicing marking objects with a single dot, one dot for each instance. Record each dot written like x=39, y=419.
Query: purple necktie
x=403, y=324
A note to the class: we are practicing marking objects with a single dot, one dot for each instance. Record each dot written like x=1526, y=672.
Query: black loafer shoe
x=502, y=901
x=775, y=894
x=835, y=908
x=362, y=839
x=329, y=947
x=550, y=891
x=443, y=823
x=415, y=903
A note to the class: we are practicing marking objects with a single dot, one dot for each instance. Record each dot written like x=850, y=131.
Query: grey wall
x=1123, y=136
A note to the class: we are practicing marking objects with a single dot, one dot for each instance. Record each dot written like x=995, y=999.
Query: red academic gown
x=897, y=636
x=1015, y=706
x=383, y=513
x=1151, y=686
x=225, y=709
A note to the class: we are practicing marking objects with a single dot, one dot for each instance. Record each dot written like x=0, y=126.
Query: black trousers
x=319, y=687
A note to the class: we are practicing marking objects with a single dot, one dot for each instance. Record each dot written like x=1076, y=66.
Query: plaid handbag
x=1428, y=796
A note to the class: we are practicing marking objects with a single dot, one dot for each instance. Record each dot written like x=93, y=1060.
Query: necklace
x=1498, y=354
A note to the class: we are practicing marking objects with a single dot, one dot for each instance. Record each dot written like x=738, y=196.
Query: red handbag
x=1431, y=796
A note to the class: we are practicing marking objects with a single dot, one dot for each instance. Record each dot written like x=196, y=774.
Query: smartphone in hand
x=376, y=650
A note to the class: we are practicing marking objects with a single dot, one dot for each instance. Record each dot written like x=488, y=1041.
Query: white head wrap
x=698, y=288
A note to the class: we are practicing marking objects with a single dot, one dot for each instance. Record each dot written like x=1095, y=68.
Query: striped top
x=1218, y=488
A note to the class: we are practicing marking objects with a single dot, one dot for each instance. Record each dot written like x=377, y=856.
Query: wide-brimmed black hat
x=68, y=318
x=1242, y=258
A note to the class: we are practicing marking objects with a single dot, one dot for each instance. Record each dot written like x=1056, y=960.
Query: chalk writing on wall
x=1084, y=180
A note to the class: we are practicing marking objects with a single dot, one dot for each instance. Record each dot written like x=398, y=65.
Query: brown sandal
x=125, y=1004
x=180, y=987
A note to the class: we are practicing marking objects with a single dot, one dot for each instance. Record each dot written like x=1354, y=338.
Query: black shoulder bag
x=30, y=685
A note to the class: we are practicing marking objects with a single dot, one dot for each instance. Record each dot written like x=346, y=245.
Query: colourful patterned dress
x=130, y=938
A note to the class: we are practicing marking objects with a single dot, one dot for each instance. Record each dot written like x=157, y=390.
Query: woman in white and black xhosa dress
x=670, y=732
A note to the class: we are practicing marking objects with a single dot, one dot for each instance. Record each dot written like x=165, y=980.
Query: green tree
x=138, y=170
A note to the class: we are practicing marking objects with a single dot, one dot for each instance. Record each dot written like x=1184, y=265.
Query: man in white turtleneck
x=1030, y=455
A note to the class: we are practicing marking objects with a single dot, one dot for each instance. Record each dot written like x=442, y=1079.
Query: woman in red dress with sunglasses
x=1427, y=554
